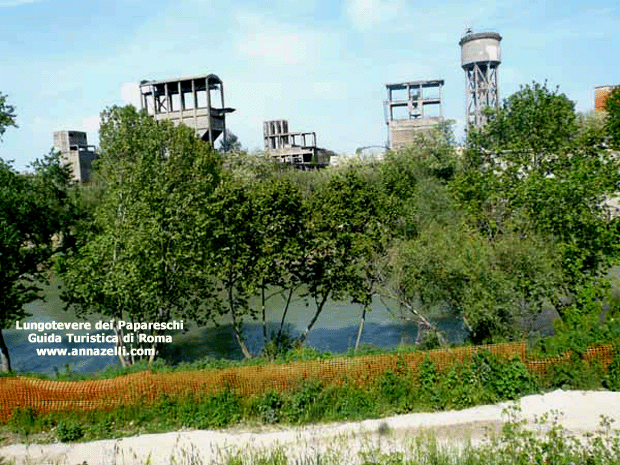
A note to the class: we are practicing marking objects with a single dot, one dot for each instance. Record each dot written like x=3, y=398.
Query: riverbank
x=581, y=413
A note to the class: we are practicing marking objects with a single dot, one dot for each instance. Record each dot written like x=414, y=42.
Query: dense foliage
x=36, y=213
x=491, y=233
x=514, y=222
x=612, y=123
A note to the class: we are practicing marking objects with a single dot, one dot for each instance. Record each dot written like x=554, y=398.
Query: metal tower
x=480, y=58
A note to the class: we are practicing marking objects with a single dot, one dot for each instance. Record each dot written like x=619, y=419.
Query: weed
x=612, y=380
x=270, y=407
x=69, y=431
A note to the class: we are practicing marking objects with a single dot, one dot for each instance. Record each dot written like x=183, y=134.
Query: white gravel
x=580, y=413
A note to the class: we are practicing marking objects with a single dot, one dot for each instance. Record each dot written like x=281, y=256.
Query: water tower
x=480, y=58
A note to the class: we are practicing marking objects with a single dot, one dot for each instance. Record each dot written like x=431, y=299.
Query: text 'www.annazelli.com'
x=97, y=352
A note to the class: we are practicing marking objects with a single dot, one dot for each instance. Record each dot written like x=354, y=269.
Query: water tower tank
x=480, y=59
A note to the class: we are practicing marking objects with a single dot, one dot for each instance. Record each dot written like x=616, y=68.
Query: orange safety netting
x=49, y=396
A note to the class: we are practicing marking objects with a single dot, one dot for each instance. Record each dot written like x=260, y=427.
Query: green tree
x=342, y=222
x=494, y=286
x=430, y=160
x=231, y=250
x=139, y=261
x=529, y=168
x=612, y=123
x=532, y=125
x=230, y=143
x=7, y=115
x=280, y=229
x=35, y=216
x=32, y=209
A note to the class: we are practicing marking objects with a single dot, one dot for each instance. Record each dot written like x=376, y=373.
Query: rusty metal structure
x=75, y=152
x=296, y=148
x=480, y=59
x=411, y=107
x=196, y=101
x=600, y=96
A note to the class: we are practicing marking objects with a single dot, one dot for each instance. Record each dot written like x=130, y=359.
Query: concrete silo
x=480, y=58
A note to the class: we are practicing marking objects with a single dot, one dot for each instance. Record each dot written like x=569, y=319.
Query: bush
x=575, y=374
x=269, y=407
x=502, y=380
x=69, y=431
x=22, y=421
x=612, y=380
x=299, y=405
x=212, y=411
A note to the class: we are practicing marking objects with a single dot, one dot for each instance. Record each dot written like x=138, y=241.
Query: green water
x=335, y=330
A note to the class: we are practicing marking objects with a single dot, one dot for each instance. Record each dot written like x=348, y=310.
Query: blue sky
x=321, y=64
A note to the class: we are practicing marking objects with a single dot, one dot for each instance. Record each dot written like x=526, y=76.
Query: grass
x=548, y=443
x=483, y=380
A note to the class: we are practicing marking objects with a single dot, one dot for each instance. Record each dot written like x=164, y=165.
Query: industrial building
x=76, y=153
x=412, y=107
x=600, y=96
x=296, y=148
x=196, y=101
x=480, y=59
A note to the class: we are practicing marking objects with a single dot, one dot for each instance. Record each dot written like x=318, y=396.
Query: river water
x=335, y=331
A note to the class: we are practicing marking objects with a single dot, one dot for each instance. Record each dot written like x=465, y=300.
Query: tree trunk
x=319, y=309
x=262, y=292
x=5, y=359
x=120, y=344
x=361, y=328
x=420, y=317
x=154, y=347
x=288, y=302
x=236, y=326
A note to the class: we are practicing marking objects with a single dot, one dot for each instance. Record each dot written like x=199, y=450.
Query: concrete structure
x=197, y=101
x=297, y=148
x=600, y=96
x=411, y=107
x=76, y=153
x=480, y=58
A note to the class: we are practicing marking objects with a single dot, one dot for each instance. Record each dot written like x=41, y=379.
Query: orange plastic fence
x=50, y=396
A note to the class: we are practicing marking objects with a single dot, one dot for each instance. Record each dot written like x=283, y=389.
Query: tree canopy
x=612, y=123
x=7, y=115
x=137, y=263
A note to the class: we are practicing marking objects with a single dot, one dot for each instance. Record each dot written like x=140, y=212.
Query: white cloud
x=90, y=124
x=365, y=14
x=276, y=44
x=279, y=48
x=9, y=3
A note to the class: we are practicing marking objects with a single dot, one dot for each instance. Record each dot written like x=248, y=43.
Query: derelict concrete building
x=480, y=59
x=297, y=148
x=196, y=101
x=76, y=153
x=411, y=107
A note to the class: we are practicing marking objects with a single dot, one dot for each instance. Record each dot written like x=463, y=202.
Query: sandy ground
x=580, y=413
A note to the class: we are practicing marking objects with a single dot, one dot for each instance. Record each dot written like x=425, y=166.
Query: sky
x=320, y=64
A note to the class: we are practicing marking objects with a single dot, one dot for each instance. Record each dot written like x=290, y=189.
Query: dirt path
x=581, y=413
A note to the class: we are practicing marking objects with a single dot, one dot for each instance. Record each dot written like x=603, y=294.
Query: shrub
x=69, y=431
x=22, y=421
x=270, y=406
x=298, y=407
x=612, y=380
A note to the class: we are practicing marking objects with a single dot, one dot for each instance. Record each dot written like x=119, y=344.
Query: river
x=335, y=331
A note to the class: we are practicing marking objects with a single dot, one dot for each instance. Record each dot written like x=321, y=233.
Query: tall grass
x=548, y=443
x=483, y=380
